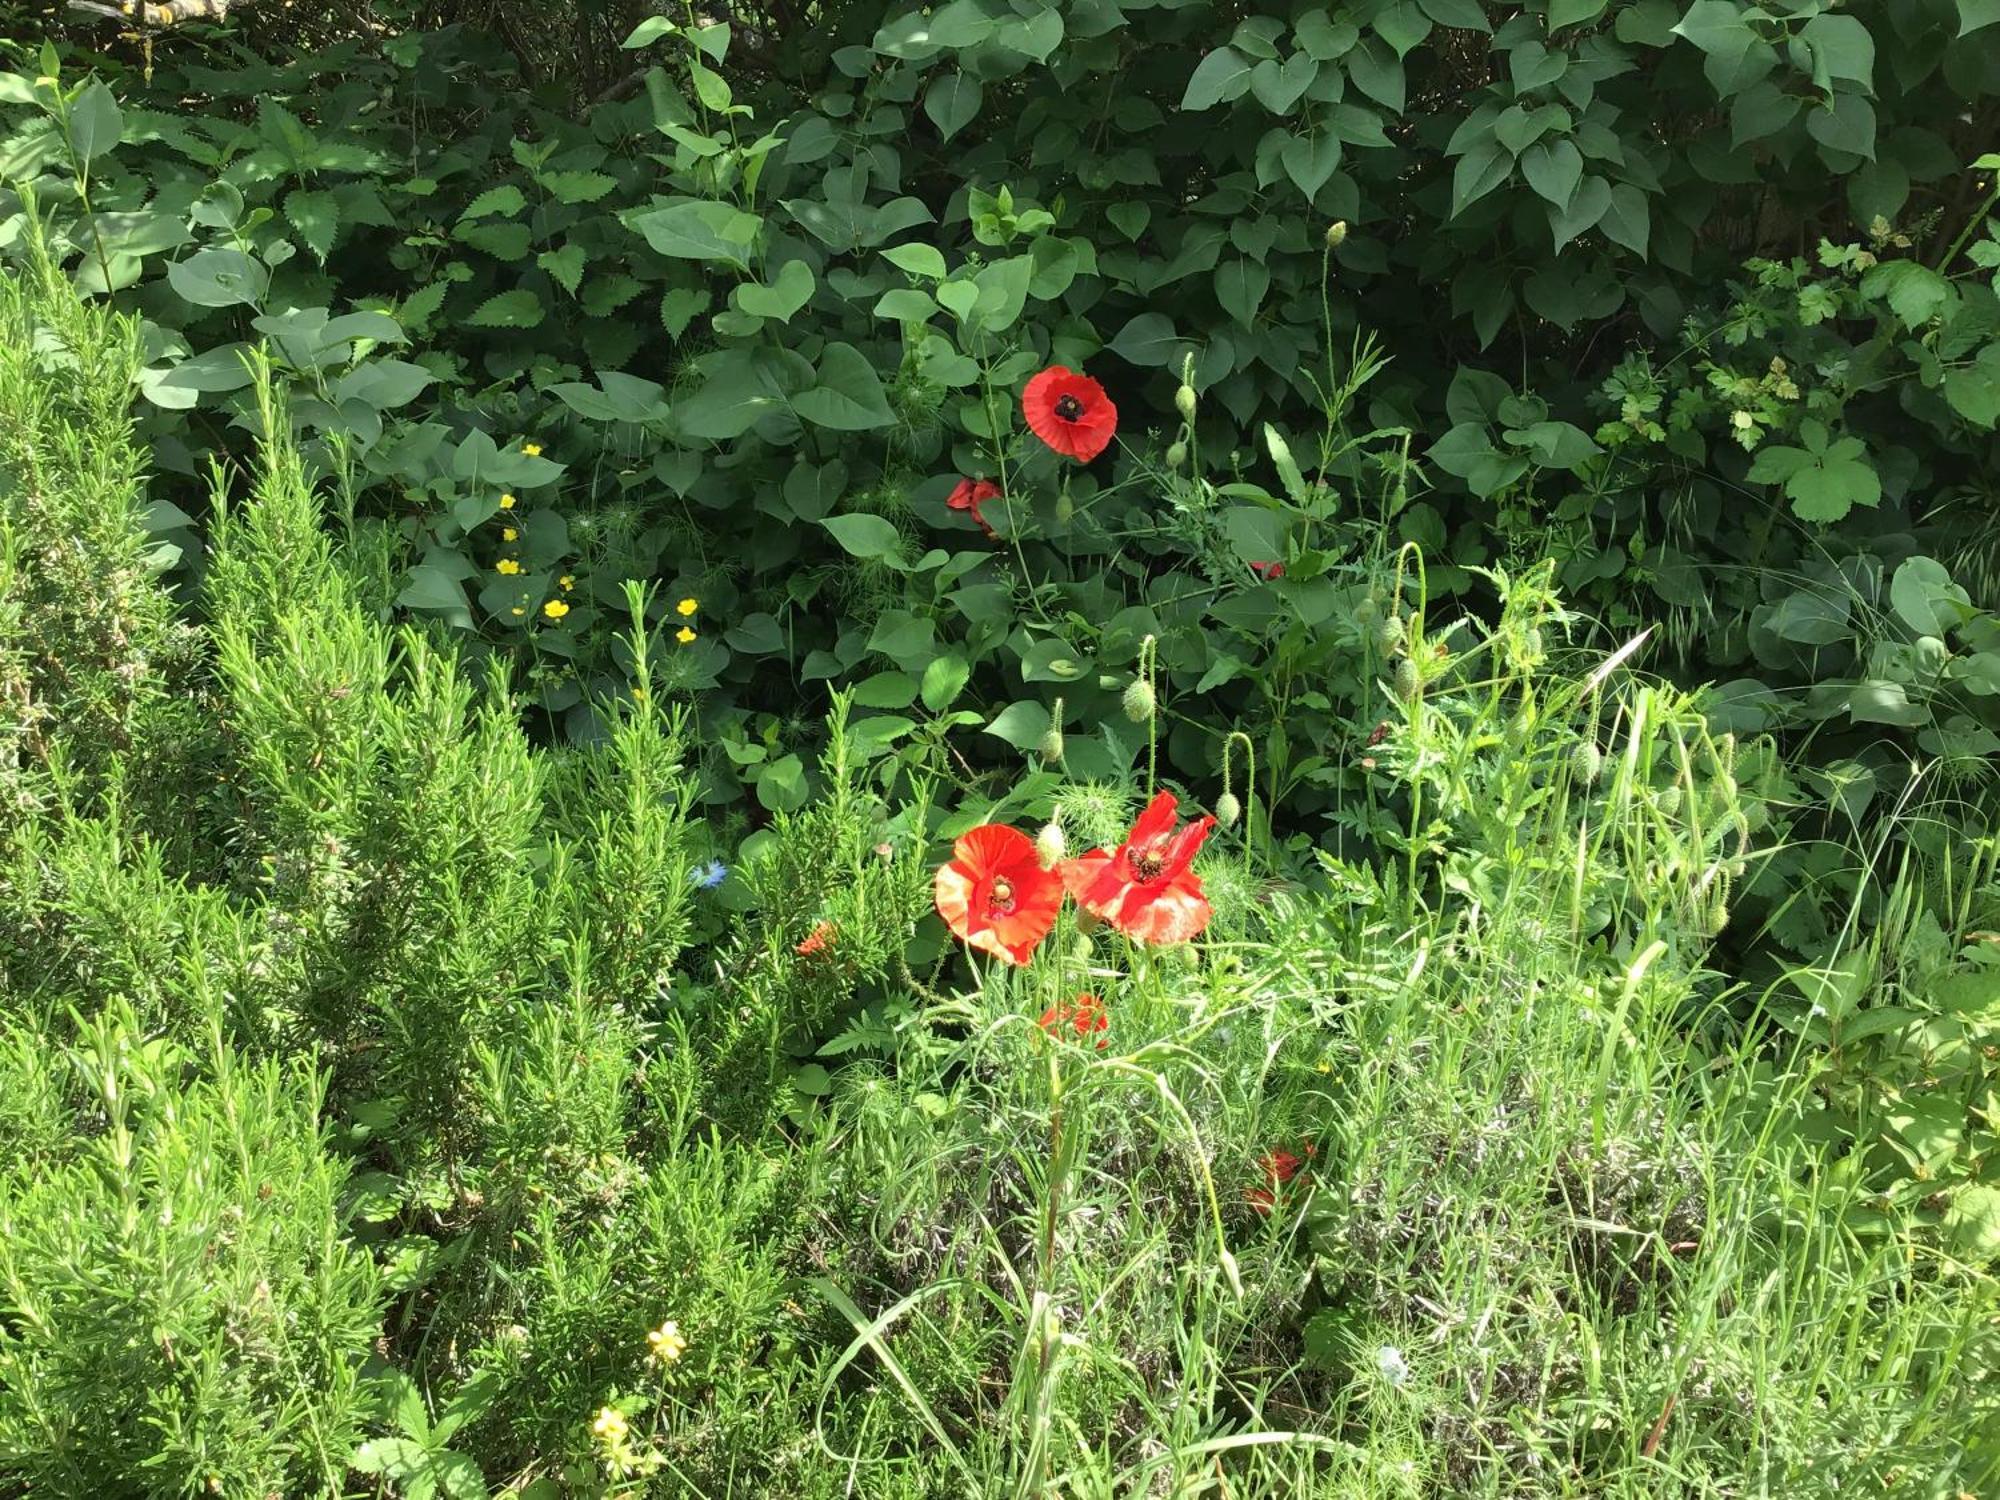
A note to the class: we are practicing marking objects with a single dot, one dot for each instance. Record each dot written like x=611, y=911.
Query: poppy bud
x=1336, y=234
x=1065, y=508
x=1670, y=802
x=1139, y=701
x=1407, y=681
x=1531, y=643
x=1718, y=917
x=1586, y=762
x=1228, y=809
x=1050, y=845
x=1051, y=747
x=1366, y=613
x=1389, y=634
x=1176, y=455
x=1184, y=401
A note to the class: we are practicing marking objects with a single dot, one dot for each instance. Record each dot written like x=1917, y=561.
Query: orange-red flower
x=1145, y=887
x=816, y=941
x=995, y=894
x=1279, y=1168
x=1085, y=1015
x=1069, y=412
x=970, y=494
x=1268, y=571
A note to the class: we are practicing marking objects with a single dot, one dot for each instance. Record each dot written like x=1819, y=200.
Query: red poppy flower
x=1280, y=1166
x=1263, y=1200
x=1268, y=571
x=1085, y=1015
x=816, y=941
x=1069, y=412
x=995, y=894
x=970, y=495
x=1144, y=888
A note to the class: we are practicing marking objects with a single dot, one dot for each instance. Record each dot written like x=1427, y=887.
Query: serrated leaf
x=564, y=266
x=316, y=216
x=505, y=200
x=519, y=308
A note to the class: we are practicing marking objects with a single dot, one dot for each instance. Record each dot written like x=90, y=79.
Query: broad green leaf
x=95, y=121
x=873, y=538
x=1402, y=24
x=1812, y=617
x=429, y=587
x=791, y=291
x=1280, y=86
x=1464, y=15
x=1326, y=39
x=1150, y=341
x=1286, y=465
x=564, y=266
x=886, y=690
x=1479, y=172
x=649, y=30
x=1574, y=12
x=1841, y=47
x=1976, y=14
x=1378, y=73
x=906, y=305
x=697, y=229
x=917, y=259
x=382, y=383
x=1848, y=125
x=219, y=277
x=1021, y=725
x=952, y=102
x=1553, y=169
x=520, y=308
x=395, y=1458
x=1924, y=595
x=1916, y=292
x=1240, y=285
x=849, y=395
x=1628, y=218
x=1310, y=160
x=1221, y=76
x=577, y=187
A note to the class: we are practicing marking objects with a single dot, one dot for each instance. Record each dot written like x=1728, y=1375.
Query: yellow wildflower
x=509, y=534
x=533, y=450
x=568, y=580
x=684, y=636
x=686, y=607
x=518, y=610
x=508, y=566
x=555, y=609
x=668, y=1345
x=611, y=1425
x=639, y=694
x=506, y=502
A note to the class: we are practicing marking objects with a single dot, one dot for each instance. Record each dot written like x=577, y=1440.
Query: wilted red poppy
x=995, y=894
x=1069, y=412
x=816, y=941
x=1279, y=1168
x=970, y=495
x=1085, y=1015
x=1144, y=888
x=1268, y=570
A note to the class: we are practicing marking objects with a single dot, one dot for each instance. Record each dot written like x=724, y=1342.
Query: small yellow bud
x=1336, y=234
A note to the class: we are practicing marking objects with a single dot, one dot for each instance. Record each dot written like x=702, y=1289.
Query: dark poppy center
x=1069, y=408
x=1001, y=897
x=1149, y=865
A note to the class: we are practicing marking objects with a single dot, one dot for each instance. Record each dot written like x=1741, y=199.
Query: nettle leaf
x=505, y=200
x=503, y=241
x=577, y=187
x=564, y=266
x=952, y=102
x=1220, y=77
x=316, y=216
x=520, y=308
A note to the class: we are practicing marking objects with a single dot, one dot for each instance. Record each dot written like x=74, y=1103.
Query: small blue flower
x=707, y=877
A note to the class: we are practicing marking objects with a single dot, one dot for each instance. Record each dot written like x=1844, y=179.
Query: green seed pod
x=1184, y=402
x=1051, y=747
x=1389, y=635
x=1050, y=845
x=1586, y=762
x=1228, y=809
x=1176, y=455
x=1718, y=917
x=1065, y=508
x=1407, y=681
x=1366, y=613
x=1670, y=802
x=1139, y=701
x=1336, y=234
